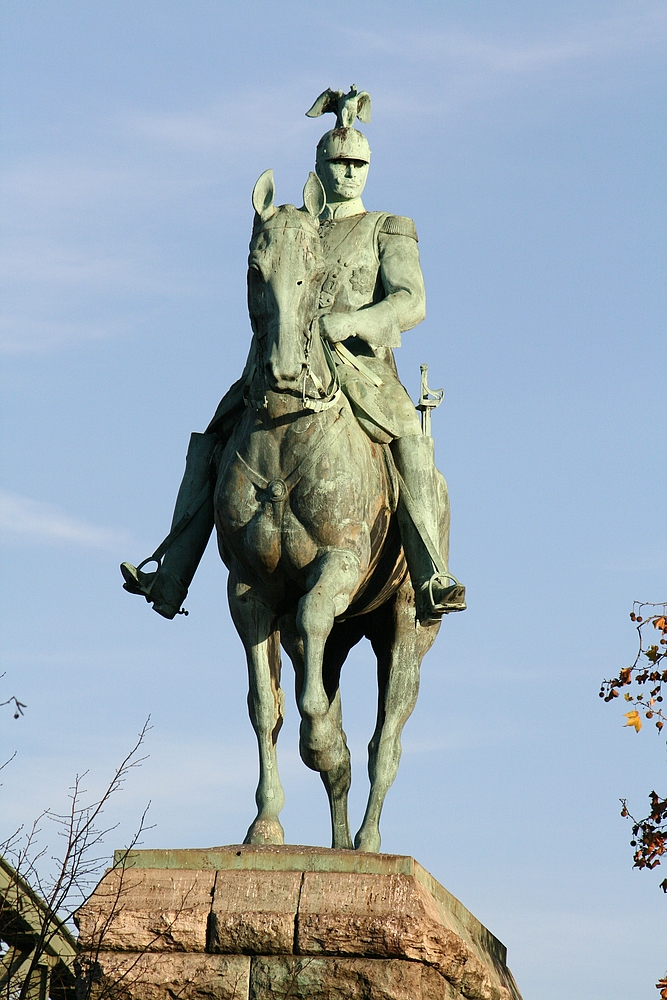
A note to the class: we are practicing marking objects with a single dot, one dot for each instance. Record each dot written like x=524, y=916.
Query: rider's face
x=343, y=179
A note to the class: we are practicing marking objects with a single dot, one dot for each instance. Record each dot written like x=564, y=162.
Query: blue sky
x=527, y=142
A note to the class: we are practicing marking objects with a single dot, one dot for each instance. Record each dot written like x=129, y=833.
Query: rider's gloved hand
x=376, y=324
x=337, y=326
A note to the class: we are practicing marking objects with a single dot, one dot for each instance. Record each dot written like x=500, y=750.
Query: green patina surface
x=270, y=858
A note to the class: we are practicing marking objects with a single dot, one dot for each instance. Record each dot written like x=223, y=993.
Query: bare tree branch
x=58, y=894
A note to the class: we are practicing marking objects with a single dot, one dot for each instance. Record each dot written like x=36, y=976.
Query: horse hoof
x=343, y=843
x=367, y=842
x=265, y=831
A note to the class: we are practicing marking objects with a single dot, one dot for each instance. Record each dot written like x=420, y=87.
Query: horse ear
x=314, y=198
x=263, y=194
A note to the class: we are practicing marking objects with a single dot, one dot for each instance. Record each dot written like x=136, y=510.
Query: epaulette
x=399, y=225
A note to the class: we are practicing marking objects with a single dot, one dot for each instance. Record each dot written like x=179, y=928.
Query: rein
x=328, y=396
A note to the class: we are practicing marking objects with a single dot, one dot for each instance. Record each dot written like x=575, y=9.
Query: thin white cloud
x=25, y=335
x=199, y=131
x=55, y=182
x=257, y=121
x=56, y=263
x=32, y=521
x=463, y=69
x=602, y=38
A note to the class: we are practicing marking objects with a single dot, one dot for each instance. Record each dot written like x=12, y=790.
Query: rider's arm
x=402, y=278
x=404, y=305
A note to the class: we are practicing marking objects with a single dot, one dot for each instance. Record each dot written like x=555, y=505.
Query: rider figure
x=373, y=292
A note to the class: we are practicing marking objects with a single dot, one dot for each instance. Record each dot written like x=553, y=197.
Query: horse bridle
x=326, y=398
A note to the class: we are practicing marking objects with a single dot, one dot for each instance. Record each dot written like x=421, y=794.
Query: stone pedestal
x=257, y=923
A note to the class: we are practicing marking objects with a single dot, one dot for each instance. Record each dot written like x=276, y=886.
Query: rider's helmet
x=343, y=144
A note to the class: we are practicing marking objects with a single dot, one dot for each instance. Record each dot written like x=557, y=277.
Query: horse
x=305, y=514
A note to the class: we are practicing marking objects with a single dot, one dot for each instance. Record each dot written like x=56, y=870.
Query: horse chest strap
x=276, y=490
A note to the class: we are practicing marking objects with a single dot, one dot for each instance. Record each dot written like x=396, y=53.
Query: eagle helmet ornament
x=344, y=141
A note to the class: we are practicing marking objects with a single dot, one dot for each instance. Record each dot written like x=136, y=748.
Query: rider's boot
x=167, y=588
x=436, y=593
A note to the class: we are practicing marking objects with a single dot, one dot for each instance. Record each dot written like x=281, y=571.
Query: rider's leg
x=435, y=593
x=390, y=409
x=167, y=587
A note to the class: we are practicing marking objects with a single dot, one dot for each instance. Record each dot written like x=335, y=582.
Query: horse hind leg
x=399, y=648
x=255, y=625
x=337, y=780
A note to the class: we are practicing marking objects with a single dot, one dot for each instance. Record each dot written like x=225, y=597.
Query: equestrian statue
x=331, y=516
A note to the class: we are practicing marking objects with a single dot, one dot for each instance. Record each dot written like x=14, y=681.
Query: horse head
x=285, y=272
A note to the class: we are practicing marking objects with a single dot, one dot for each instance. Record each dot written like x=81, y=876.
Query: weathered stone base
x=253, y=923
x=346, y=979
x=165, y=976
x=265, y=977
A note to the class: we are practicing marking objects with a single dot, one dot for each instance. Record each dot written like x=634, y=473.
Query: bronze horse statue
x=305, y=511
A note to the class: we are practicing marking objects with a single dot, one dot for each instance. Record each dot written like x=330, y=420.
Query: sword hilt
x=428, y=400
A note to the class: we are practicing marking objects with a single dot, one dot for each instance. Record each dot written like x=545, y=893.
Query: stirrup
x=452, y=598
x=136, y=581
x=431, y=609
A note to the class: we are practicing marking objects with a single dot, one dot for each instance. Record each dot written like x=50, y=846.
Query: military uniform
x=374, y=279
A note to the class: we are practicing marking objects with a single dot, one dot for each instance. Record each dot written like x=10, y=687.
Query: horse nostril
x=299, y=282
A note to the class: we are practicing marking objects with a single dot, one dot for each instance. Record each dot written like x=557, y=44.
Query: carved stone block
x=254, y=912
x=166, y=976
x=345, y=979
x=146, y=909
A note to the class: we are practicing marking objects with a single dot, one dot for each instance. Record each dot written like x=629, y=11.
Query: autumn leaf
x=633, y=720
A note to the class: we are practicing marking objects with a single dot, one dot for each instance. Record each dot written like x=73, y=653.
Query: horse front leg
x=322, y=741
x=399, y=647
x=334, y=766
x=255, y=625
x=337, y=780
